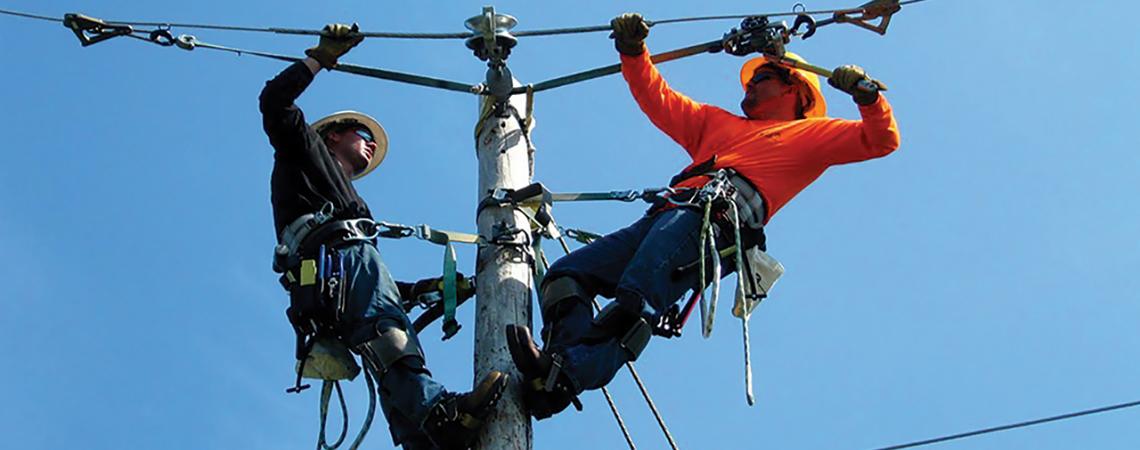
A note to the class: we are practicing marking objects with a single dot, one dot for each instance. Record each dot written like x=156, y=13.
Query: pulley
x=757, y=35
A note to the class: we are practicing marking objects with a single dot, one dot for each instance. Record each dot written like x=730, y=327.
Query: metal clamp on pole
x=493, y=42
x=90, y=30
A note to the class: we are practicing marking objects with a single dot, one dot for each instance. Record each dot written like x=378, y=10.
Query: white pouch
x=329, y=360
x=763, y=272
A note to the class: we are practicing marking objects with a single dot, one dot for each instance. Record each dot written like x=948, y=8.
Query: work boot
x=546, y=390
x=455, y=420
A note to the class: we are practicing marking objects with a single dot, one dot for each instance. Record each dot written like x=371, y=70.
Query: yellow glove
x=630, y=31
x=336, y=40
x=464, y=288
x=847, y=79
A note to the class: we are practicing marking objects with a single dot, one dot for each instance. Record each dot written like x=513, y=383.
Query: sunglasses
x=760, y=77
x=364, y=134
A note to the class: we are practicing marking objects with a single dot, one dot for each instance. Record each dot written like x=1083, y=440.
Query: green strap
x=450, y=325
x=450, y=274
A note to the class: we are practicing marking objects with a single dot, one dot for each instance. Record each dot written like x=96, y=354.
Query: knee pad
x=558, y=291
x=630, y=329
x=392, y=346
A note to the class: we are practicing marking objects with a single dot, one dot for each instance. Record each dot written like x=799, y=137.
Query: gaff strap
x=450, y=325
x=450, y=296
x=450, y=274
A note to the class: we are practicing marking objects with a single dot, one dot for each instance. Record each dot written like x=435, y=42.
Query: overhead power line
x=30, y=16
x=1011, y=426
x=459, y=35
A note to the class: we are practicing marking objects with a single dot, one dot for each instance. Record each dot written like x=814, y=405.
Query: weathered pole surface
x=503, y=268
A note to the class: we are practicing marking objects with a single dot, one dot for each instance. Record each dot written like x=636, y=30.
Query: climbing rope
x=326, y=393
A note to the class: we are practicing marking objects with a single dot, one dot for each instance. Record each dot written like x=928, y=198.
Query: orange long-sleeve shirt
x=780, y=158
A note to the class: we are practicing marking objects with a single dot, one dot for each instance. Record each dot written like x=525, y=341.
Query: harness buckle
x=552, y=377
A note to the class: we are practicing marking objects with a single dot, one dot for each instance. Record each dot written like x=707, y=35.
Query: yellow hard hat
x=811, y=80
x=354, y=117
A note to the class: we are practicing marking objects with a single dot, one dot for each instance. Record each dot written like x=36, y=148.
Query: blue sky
x=982, y=274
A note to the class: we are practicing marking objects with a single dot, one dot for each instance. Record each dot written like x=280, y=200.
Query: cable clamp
x=90, y=30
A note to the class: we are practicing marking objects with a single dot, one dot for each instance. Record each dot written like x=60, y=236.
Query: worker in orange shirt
x=783, y=142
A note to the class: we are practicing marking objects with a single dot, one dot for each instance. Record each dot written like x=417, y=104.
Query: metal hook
x=802, y=20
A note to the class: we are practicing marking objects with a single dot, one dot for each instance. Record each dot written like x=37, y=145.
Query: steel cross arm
x=706, y=47
x=188, y=42
x=406, y=78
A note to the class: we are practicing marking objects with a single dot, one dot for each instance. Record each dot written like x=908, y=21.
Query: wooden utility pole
x=503, y=266
x=503, y=274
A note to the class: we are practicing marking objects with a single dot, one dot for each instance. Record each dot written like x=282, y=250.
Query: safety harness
x=313, y=272
x=727, y=201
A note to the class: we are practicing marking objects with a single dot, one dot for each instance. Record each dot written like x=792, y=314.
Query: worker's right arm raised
x=672, y=112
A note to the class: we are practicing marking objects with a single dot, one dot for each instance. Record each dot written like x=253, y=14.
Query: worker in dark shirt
x=325, y=232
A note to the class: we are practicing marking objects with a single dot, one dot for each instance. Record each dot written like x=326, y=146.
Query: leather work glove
x=336, y=40
x=847, y=78
x=630, y=31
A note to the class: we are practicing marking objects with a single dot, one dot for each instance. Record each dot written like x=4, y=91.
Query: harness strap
x=699, y=169
x=285, y=253
x=451, y=326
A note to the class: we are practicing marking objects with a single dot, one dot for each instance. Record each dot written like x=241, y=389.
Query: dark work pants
x=406, y=395
x=636, y=266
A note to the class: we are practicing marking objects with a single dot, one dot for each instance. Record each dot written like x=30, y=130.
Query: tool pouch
x=306, y=303
x=328, y=359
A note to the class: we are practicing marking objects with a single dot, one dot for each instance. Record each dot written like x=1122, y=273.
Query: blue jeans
x=373, y=306
x=636, y=266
